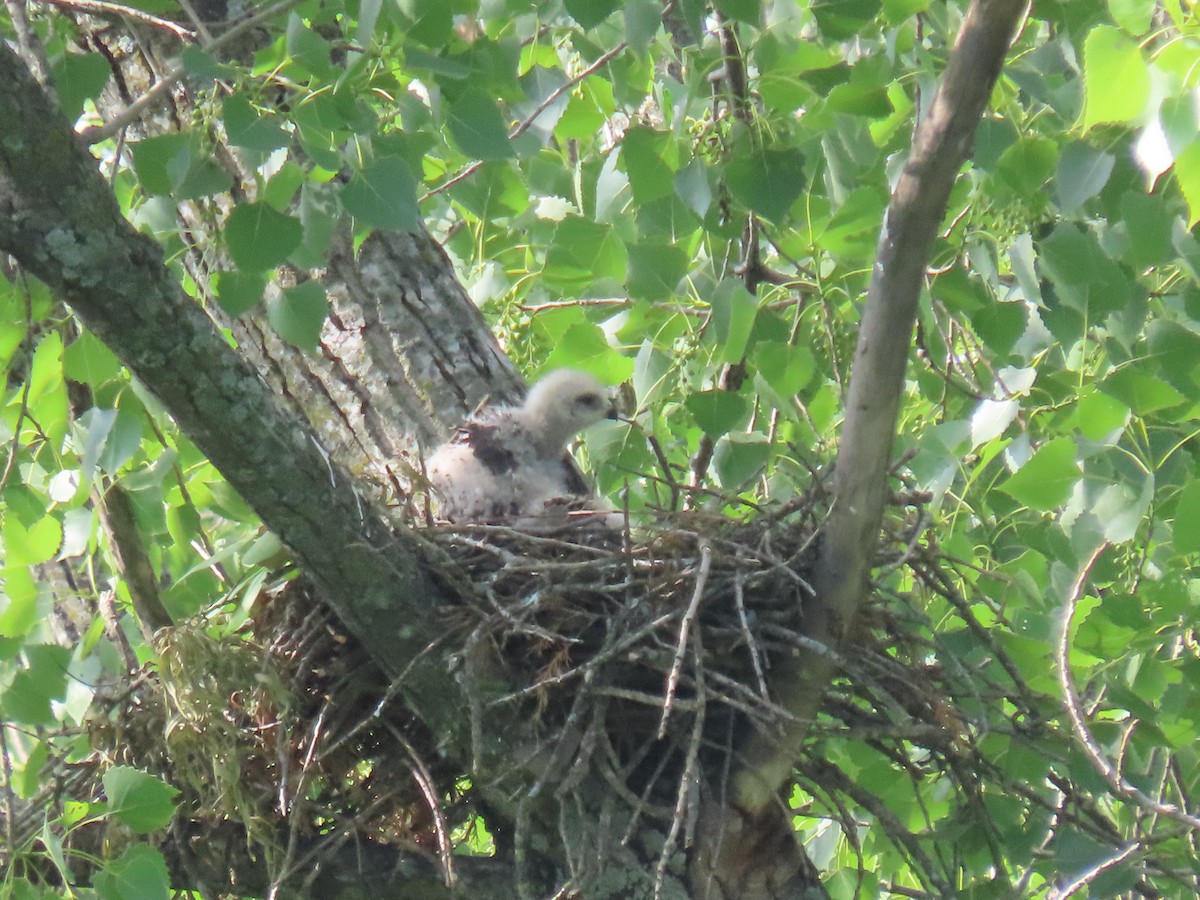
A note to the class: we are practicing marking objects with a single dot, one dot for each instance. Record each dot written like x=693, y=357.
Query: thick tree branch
x=940, y=146
x=59, y=219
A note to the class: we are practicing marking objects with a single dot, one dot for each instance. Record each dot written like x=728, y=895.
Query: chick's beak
x=613, y=412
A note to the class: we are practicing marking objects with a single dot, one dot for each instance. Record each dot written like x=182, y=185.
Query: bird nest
x=631, y=660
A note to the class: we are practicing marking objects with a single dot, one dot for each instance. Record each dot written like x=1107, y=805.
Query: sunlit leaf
x=1046, y=479
x=1116, y=76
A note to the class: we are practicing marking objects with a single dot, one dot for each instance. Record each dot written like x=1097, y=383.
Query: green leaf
x=845, y=19
x=1120, y=508
x=202, y=65
x=767, y=181
x=1148, y=222
x=140, y=873
x=1116, y=77
x=740, y=457
x=693, y=188
x=897, y=11
x=583, y=251
x=297, y=314
x=1046, y=479
x=1176, y=350
x=655, y=269
x=733, y=315
x=1027, y=164
x=125, y=436
x=18, y=602
x=43, y=680
x=748, y=11
x=1099, y=415
x=1187, y=172
x=786, y=368
x=429, y=22
x=1185, y=530
x=247, y=128
x=154, y=156
x=89, y=361
x=48, y=402
x=1142, y=393
x=1082, y=173
x=475, y=122
x=584, y=346
x=643, y=19
x=138, y=799
x=853, y=229
x=92, y=428
x=383, y=195
x=1086, y=277
x=260, y=237
x=644, y=153
x=589, y=13
x=176, y=165
x=78, y=77
x=33, y=545
x=999, y=325
x=306, y=48
x=1132, y=15
x=718, y=412
x=239, y=292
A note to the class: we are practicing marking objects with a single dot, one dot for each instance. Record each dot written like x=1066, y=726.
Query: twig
x=105, y=8
x=1079, y=727
x=10, y=799
x=686, y=780
x=684, y=628
x=424, y=779
x=739, y=601
x=1088, y=876
x=28, y=43
x=98, y=133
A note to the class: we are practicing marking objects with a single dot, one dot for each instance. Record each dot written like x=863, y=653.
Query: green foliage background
x=594, y=179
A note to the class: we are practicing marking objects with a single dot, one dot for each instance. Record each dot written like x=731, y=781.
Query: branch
x=1083, y=735
x=941, y=144
x=59, y=219
x=130, y=114
x=118, y=517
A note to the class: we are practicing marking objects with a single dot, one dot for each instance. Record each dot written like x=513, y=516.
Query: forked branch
x=941, y=144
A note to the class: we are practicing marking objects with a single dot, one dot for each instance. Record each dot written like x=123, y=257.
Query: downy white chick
x=507, y=463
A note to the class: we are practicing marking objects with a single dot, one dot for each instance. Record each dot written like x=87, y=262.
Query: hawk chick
x=507, y=463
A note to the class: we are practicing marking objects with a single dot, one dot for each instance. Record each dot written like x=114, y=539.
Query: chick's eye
x=592, y=400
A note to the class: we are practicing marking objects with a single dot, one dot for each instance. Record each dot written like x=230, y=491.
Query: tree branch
x=59, y=219
x=940, y=145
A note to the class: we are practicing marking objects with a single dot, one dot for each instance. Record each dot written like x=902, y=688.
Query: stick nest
x=629, y=661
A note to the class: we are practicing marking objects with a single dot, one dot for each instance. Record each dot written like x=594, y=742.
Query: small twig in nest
x=684, y=628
